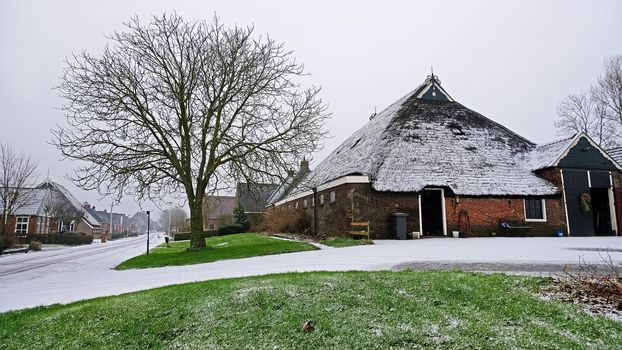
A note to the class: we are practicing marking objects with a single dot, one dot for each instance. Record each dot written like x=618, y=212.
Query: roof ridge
x=556, y=141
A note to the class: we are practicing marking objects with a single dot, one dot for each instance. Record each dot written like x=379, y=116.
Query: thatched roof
x=426, y=139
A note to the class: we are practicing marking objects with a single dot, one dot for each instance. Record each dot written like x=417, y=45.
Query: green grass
x=351, y=310
x=241, y=245
x=345, y=242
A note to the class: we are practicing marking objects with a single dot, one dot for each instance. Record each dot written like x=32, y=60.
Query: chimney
x=304, y=166
x=86, y=205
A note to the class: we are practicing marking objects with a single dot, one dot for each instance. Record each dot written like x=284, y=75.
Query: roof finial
x=432, y=70
x=373, y=114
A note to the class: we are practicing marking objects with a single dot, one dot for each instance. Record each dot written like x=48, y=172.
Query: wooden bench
x=360, y=229
x=513, y=227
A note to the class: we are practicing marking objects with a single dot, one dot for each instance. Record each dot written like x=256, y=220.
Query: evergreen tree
x=240, y=217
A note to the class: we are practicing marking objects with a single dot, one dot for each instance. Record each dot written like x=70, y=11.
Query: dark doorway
x=601, y=212
x=576, y=183
x=432, y=212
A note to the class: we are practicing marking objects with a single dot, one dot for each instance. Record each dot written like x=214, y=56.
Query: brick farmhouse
x=450, y=168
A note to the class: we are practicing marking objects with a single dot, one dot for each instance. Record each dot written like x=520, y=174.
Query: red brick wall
x=484, y=214
x=361, y=203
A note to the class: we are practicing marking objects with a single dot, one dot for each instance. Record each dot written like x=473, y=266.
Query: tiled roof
x=616, y=154
x=254, y=197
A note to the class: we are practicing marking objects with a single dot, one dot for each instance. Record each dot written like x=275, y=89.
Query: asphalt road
x=66, y=275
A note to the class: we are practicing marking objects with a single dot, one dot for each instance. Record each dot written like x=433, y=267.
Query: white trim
x=21, y=234
x=420, y=215
x=352, y=179
x=574, y=143
x=612, y=207
x=589, y=180
x=444, y=212
x=543, y=201
x=561, y=171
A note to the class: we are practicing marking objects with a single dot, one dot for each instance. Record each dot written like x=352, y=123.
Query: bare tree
x=175, y=106
x=17, y=173
x=580, y=113
x=66, y=213
x=608, y=89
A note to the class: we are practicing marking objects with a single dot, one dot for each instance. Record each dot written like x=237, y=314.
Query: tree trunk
x=197, y=241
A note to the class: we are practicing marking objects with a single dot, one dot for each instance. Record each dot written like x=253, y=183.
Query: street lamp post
x=169, y=221
x=148, y=221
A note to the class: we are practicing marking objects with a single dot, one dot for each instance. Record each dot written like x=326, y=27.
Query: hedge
x=68, y=238
x=231, y=229
x=117, y=235
x=184, y=236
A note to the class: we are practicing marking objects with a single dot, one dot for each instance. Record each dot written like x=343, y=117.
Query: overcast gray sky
x=511, y=61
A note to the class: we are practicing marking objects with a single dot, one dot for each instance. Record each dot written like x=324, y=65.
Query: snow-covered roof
x=34, y=201
x=88, y=217
x=429, y=140
x=616, y=154
x=547, y=154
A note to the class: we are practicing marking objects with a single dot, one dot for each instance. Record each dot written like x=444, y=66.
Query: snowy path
x=78, y=273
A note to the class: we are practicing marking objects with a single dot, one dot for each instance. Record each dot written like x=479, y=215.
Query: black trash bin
x=398, y=224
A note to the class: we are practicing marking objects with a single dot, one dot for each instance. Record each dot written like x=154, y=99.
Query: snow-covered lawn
x=91, y=276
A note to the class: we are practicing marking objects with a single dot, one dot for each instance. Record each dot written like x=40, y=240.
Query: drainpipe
x=315, y=204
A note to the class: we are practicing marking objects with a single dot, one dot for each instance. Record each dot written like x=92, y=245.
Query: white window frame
x=304, y=203
x=333, y=197
x=17, y=219
x=321, y=199
x=543, y=211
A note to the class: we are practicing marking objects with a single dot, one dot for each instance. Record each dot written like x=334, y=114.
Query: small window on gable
x=356, y=143
x=456, y=129
x=332, y=197
x=535, y=210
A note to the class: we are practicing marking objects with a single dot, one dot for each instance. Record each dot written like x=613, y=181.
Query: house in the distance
x=121, y=223
x=449, y=168
x=216, y=210
x=254, y=198
x=51, y=208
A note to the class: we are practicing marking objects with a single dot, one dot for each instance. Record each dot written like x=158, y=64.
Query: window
x=535, y=210
x=332, y=197
x=304, y=203
x=210, y=226
x=21, y=225
x=296, y=205
x=321, y=199
x=313, y=201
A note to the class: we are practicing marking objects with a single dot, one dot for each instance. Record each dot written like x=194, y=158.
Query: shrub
x=287, y=221
x=68, y=238
x=34, y=245
x=184, y=236
x=231, y=229
x=117, y=235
